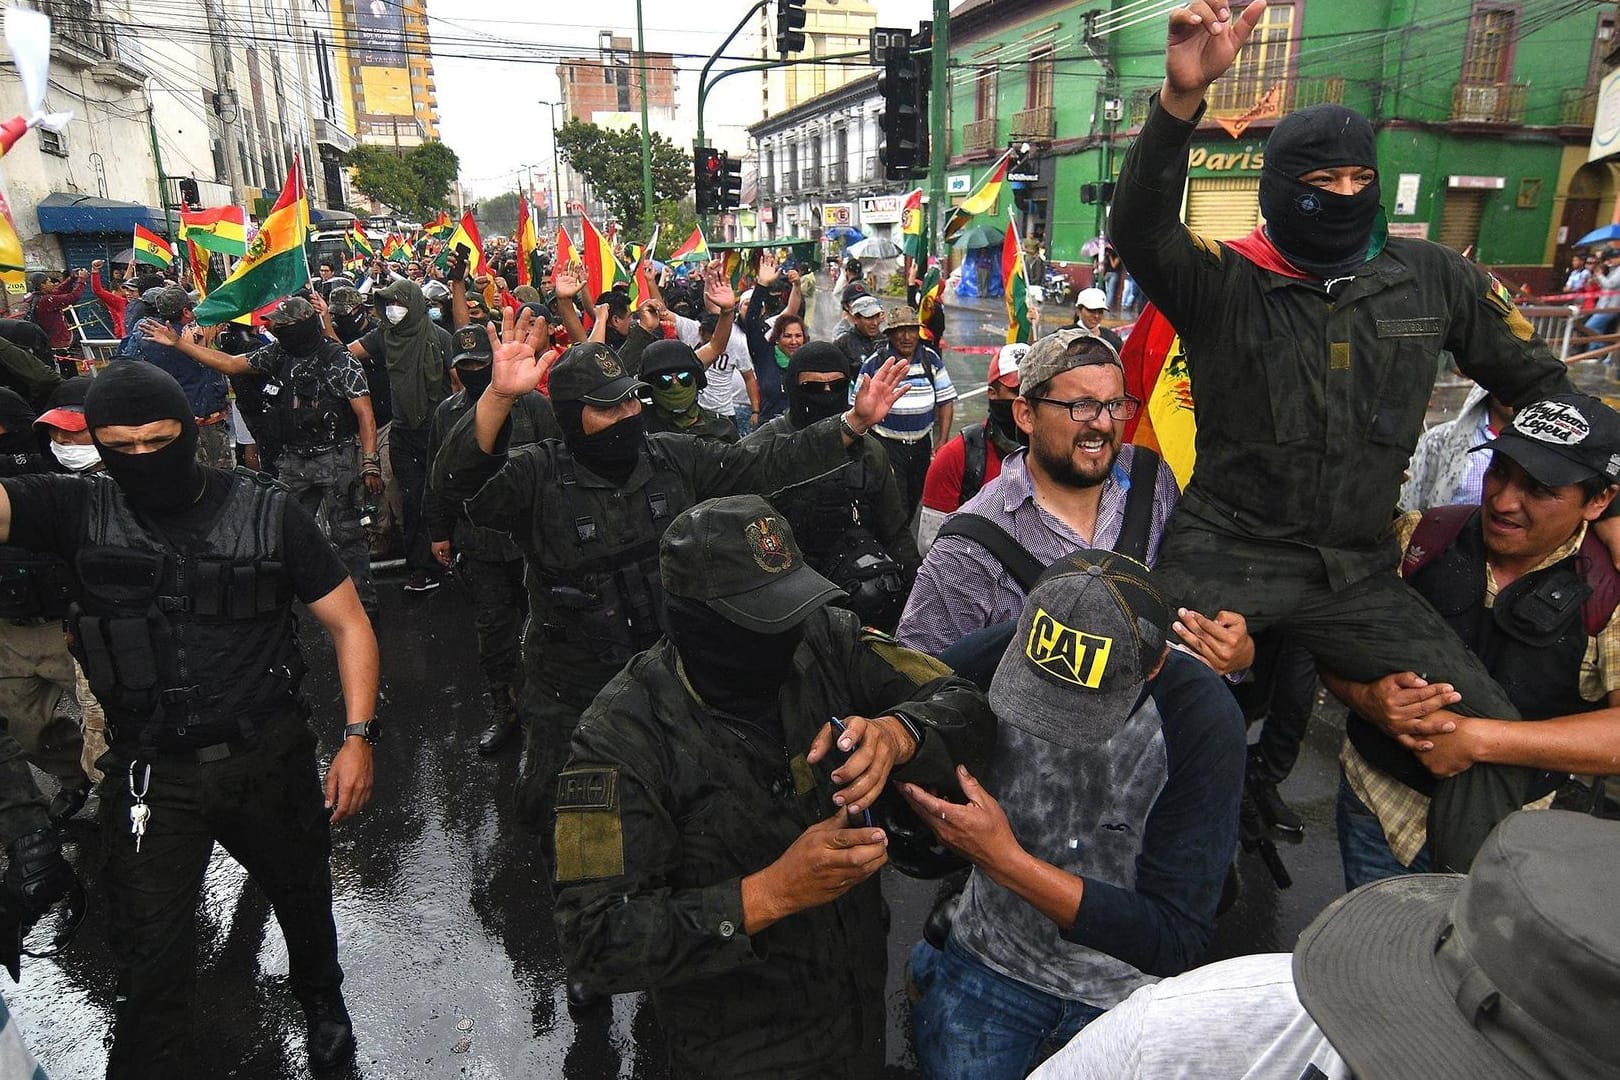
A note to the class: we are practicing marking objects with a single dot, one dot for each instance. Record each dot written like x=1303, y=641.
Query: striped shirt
x=961, y=587
x=912, y=417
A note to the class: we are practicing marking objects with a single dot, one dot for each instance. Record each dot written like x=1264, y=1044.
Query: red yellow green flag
x=641, y=285
x=933, y=292
x=601, y=268
x=911, y=225
x=360, y=243
x=440, y=227
x=1156, y=371
x=466, y=236
x=566, y=254
x=1012, y=282
x=11, y=252
x=526, y=242
x=696, y=249
x=395, y=250
x=151, y=248
x=981, y=201
x=222, y=229
x=274, y=265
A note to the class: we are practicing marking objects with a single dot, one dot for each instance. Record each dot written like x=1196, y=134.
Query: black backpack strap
x=975, y=460
x=1024, y=567
x=1134, y=532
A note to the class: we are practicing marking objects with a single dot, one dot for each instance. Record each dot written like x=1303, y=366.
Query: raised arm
x=191, y=345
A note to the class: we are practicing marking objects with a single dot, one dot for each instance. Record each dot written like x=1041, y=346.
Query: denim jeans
x=741, y=414
x=1362, y=846
x=974, y=1023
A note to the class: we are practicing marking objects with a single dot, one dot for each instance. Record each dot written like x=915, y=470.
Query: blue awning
x=60, y=212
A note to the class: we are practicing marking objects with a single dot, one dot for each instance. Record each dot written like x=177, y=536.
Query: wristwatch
x=847, y=428
x=368, y=730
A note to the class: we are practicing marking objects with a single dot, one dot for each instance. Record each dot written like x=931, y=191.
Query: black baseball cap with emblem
x=1564, y=439
x=472, y=345
x=738, y=556
x=593, y=374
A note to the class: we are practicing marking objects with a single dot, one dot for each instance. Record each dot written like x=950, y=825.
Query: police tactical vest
x=308, y=414
x=187, y=647
x=607, y=596
x=1532, y=639
x=33, y=585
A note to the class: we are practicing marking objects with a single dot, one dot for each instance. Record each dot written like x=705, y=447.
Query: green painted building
x=1483, y=109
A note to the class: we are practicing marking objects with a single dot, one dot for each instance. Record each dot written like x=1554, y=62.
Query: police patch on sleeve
x=918, y=667
x=589, y=833
x=1499, y=300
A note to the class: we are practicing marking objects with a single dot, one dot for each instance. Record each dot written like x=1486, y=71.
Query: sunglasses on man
x=669, y=380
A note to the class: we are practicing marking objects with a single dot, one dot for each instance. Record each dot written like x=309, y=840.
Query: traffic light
x=707, y=166
x=790, y=16
x=899, y=87
x=730, y=183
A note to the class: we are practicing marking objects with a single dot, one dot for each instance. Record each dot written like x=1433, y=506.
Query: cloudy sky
x=495, y=59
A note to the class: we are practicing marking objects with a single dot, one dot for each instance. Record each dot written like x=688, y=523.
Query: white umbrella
x=874, y=247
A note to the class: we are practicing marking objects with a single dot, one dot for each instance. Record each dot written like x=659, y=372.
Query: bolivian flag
x=395, y=250
x=526, y=242
x=696, y=249
x=466, y=235
x=151, y=248
x=911, y=226
x=222, y=229
x=933, y=290
x=1156, y=372
x=641, y=275
x=274, y=265
x=601, y=268
x=565, y=256
x=440, y=227
x=360, y=243
x=982, y=200
x=1012, y=282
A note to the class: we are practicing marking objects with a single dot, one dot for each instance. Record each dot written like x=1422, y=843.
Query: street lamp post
x=556, y=169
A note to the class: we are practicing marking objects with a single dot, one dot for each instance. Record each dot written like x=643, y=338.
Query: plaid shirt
x=1404, y=813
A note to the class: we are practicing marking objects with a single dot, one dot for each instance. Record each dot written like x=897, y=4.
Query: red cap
x=64, y=418
x=1004, y=364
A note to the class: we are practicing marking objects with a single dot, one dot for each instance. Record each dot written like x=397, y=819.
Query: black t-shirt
x=48, y=514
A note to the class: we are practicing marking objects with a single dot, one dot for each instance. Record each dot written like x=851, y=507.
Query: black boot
x=331, y=1035
x=1269, y=801
x=501, y=712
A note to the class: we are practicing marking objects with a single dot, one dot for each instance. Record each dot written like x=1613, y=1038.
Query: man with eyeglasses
x=1074, y=487
x=675, y=374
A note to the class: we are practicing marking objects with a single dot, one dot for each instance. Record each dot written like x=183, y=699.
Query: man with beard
x=675, y=374
x=850, y=523
x=1071, y=489
x=712, y=839
x=491, y=564
x=973, y=458
x=416, y=353
x=588, y=511
x=185, y=626
x=321, y=411
x=1312, y=345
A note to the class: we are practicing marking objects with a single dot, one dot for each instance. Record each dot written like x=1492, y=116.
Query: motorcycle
x=1057, y=288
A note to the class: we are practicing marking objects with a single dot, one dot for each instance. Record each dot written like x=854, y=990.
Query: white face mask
x=394, y=313
x=77, y=458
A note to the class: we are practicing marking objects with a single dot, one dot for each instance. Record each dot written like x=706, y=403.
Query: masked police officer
x=184, y=624
x=851, y=523
x=491, y=564
x=676, y=375
x=320, y=408
x=714, y=844
x=587, y=512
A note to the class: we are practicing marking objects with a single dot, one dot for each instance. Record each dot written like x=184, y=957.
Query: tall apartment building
x=831, y=27
x=605, y=89
x=385, y=70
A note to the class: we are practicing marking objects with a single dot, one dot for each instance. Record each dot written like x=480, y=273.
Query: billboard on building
x=378, y=42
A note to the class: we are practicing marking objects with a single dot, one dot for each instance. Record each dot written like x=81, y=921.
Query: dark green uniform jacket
x=568, y=531
x=665, y=806
x=709, y=425
x=532, y=422
x=1309, y=408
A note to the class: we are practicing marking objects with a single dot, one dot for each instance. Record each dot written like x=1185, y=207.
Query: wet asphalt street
x=445, y=929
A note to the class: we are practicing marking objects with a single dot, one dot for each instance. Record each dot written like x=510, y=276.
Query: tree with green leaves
x=610, y=161
x=415, y=183
x=497, y=215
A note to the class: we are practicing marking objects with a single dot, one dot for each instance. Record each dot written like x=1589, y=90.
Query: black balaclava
x=130, y=393
x=351, y=325
x=475, y=380
x=610, y=453
x=301, y=338
x=1002, y=425
x=817, y=401
x=735, y=670
x=1320, y=232
x=17, y=417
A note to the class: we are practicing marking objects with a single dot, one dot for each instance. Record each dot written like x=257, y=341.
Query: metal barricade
x=1555, y=323
x=94, y=352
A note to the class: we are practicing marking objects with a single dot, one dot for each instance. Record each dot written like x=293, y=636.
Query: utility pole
x=646, y=135
x=556, y=166
x=938, y=144
x=227, y=107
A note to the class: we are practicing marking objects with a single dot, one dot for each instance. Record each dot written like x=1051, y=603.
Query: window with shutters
x=1488, y=56
x=1267, y=60
x=1038, y=79
x=984, y=94
x=1223, y=207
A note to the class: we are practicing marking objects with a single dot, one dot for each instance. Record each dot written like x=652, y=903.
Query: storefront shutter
x=1223, y=208
x=1460, y=217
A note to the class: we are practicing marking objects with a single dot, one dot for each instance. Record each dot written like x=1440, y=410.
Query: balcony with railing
x=979, y=136
x=1037, y=123
x=77, y=36
x=1578, y=108
x=1488, y=102
x=1234, y=98
x=809, y=178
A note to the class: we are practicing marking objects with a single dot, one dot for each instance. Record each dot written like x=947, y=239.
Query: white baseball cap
x=1092, y=300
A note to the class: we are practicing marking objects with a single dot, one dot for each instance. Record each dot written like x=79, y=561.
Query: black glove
x=37, y=876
